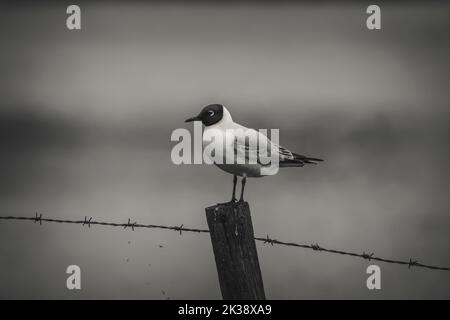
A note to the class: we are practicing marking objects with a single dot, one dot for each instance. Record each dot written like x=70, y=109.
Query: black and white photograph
x=201, y=151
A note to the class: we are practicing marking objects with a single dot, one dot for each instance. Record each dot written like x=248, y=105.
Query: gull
x=244, y=142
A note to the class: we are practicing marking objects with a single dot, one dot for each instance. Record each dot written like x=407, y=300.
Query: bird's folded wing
x=253, y=146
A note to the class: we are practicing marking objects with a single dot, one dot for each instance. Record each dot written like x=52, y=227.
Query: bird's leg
x=244, y=180
x=233, y=198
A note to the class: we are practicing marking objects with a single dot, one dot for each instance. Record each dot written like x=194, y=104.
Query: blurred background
x=85, y=124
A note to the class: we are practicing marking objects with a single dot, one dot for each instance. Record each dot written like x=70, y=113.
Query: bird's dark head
x=209, y=115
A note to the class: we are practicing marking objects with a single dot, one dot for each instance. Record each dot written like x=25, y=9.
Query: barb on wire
x=180, y=228
x=38, y=218
x=266, y=240
x=87, y=222
x=412, y=263
x=367, y=256
x=129, y=224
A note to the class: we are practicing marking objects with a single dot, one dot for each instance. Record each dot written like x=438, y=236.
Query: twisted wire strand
x=267, y=240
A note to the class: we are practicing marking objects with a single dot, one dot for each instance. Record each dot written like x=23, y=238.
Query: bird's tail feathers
x=298, y=162
x=305, y=159
x=291, y=163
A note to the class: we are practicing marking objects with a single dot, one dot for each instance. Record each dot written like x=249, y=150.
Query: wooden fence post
x=234, y=247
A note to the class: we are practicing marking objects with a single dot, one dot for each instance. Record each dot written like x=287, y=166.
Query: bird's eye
x=210, y=113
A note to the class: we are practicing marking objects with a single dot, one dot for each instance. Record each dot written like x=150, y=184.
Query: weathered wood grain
x=235, y=253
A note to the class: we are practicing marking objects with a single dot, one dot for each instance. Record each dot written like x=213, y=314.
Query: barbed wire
x=267, y=240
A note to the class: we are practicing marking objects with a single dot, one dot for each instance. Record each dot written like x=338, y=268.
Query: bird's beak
x=196, y=118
